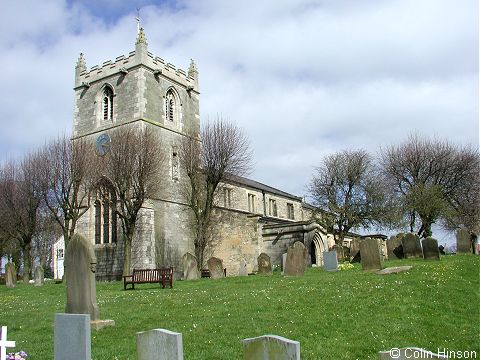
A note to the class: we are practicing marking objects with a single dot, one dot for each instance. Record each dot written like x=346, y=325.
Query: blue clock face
x=103, y=144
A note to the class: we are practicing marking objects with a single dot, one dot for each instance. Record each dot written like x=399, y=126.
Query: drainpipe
x=264, y=204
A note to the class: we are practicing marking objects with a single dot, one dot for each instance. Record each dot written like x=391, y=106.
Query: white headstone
x=242, y=268
x=270, y=347
x=72, y=337
x=159, y=344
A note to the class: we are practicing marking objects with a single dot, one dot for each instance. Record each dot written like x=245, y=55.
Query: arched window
x=105, y=213
x=170, y=106
x=107, y=103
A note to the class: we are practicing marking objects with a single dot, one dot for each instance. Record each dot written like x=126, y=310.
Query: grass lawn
x=349, y=314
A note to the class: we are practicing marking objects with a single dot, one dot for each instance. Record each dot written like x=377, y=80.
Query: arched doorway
x=317, y=247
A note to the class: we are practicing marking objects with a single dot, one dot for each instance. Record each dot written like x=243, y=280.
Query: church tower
x=138, y=89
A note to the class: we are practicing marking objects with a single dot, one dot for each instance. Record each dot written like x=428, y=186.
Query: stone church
x=142, y=90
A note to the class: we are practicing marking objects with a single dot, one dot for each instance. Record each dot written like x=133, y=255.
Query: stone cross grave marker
x=80, y=277
x=215, y=265
x=159, y=344
x=394, y=247
x=430, y=249
x=371, y=257
x=295, y=264
x=264, y=264
x=463, y=241
x=4, y=343
x=190, y=269
x=242, y=268
x=330, y=261
x=72, y=337
x=411, y=246
x=39, y=276
x=10, y=275
x=270, y=347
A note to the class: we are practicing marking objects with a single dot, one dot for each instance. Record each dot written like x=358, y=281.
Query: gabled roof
x=240, y=180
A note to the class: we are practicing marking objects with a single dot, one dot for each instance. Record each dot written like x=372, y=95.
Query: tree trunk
x=127, y=251
x=26, y=262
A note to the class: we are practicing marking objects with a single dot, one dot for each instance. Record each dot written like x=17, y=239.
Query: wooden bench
x=162, y=276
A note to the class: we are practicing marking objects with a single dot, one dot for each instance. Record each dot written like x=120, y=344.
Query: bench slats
x=143, y=276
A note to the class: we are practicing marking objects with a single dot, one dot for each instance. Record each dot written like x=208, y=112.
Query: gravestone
x=354, y=248
x=296, y=263
x=39, y=276
x=242, y=268
x=270, y=347
x=80, y=276
x=340, y=252
x=159, y=344
x=409, y=353
x=393, y=270
x=394, y=247
x=215, y=266
x=464, y=245
x=411, y=246
x=284, y=260
x=430, y=249
x=371, y=258
x=330, y=261
x=72, y=337
x=10, y=275
x=190, y=269
x=264, y=264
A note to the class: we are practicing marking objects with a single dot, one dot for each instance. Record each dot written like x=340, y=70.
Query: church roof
x=259, y=186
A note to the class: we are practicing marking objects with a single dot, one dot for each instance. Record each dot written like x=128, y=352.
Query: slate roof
x=259, y=186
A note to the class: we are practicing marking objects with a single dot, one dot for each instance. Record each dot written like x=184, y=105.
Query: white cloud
x=304, y=78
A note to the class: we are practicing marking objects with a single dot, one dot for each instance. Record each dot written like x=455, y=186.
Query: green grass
x=349, y=314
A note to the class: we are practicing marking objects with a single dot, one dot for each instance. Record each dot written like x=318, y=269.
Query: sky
x=303, y=78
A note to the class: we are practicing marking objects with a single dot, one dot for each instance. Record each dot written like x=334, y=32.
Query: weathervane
x=138, y=20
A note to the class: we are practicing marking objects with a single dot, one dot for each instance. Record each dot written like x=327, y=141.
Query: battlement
x=137, y=58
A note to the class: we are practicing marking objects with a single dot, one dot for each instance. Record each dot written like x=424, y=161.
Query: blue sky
x=304, y=78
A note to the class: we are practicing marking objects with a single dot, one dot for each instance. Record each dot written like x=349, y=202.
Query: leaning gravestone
x=354, y=248
x=72, y=337
x=430, y=249
x=330, y=261
x=80, y=277
x=190, y=269
x=464, y=244
x=39, y=276
x=409, y=353
x=159, y=344
x=215, y=265
x=242, y=268
x=270, y=347
x=10, y=275
x=264, y=264
x=394, y=247
x=340, y=252
x=411, y=246
x=371, y=257
x=295, y=264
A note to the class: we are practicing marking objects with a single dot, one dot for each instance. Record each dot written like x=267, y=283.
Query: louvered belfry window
x=108, y=103
x=170, y=106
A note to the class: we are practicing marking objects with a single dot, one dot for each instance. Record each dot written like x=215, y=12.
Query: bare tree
x=20, y=197
x=67, y=171
x=434, y=178
x=223, y=151
x=132, y=164
x=47, y=232
x=347, y=188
